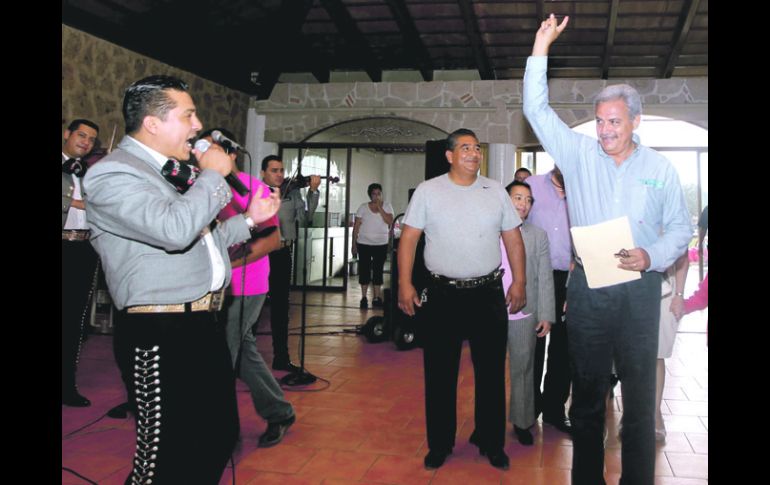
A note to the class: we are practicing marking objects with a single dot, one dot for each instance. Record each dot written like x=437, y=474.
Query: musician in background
x=78, y=257
x=292, y=210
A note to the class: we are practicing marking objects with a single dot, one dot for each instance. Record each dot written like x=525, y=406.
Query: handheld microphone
x=218, y=137
x=203, y=145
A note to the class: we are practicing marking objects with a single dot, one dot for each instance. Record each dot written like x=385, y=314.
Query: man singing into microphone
x=166, y=267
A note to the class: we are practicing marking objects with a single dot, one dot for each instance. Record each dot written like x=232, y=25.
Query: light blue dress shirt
x=645, y=187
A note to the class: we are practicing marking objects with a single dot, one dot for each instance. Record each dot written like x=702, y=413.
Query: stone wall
x=490, y=108
x=95, y=73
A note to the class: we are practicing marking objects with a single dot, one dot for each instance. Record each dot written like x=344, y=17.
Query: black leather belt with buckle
x=210, y=302
x=465, y=283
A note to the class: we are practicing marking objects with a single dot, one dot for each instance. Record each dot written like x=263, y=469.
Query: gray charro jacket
x=148, y=235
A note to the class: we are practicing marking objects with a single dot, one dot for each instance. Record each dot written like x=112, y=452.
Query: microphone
x=203, y=145
x=218, y=137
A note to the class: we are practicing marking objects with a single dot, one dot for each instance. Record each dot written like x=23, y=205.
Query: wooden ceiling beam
x=689, y=10
x=412, y=41
x=610, y=43
x=356, y=40
x=477, y=44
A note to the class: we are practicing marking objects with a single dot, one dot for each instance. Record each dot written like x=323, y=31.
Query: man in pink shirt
x=248, y=289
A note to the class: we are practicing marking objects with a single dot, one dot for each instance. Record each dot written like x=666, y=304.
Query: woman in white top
x=370, y=243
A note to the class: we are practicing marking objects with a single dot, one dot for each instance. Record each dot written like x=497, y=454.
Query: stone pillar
x=255, y=141
x=389, y=167
x=502, y=162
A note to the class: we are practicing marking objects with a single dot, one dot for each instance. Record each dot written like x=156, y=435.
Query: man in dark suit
x=166, y=267
x=78, y=257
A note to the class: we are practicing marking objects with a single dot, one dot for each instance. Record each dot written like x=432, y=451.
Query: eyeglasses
x=519, y=198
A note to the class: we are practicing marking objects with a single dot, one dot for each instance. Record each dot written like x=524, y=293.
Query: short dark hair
x=147, y=97
x=516, y=183
x=451, y=140
x=372, y=188
x=270, y=158
x=522, y=169
x=74, y=124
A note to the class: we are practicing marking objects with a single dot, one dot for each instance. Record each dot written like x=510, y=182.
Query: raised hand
x=548, y=32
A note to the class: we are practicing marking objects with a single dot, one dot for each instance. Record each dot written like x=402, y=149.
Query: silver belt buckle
x=216, y=300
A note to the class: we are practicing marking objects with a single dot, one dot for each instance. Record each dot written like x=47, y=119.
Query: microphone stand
x=301, y=377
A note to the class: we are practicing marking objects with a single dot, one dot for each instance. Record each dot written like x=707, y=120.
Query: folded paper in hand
x=597, y=244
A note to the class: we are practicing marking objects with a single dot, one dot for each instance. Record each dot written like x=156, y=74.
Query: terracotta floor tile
x=324, y=437
x=699, y=442
x=392, y=443
x=350, y=465
x=367, y=425
x=675, y=393
x=689, y=465
x=406, y=470
x=464, y=471
x=525, y=456
x=536, y=476
x=284, y=458
x=675, y=441
x=695, y=393
x=557, y=457
x=688, y=408
x=686, y=424
x=679, y=481
x=268, y=478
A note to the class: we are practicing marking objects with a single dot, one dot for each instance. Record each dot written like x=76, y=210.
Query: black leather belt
x=477, y=282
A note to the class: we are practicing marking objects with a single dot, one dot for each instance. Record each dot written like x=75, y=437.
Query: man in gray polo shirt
x=463, y=216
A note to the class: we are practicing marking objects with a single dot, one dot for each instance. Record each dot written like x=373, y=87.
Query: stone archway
x=377, y=130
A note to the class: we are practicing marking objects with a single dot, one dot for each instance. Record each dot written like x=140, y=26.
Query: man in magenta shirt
x=248, y=289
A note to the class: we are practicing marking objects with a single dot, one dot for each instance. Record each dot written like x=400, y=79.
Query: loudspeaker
x=435, y=158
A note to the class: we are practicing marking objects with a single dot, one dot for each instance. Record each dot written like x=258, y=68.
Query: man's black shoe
x=377, y=302
x=560, y=422
x=275, y=432
x=287, y=366
x=120, y=411
x=75, y=400
x=434, y=459
x=523, y=435
x=497, y=458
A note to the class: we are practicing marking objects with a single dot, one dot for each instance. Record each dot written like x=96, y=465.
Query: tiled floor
x=367, y=424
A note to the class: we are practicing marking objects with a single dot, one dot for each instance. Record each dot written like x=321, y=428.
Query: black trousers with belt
x=77, y=279
x=279, y=281
x=187, y=413
x=450, y=316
